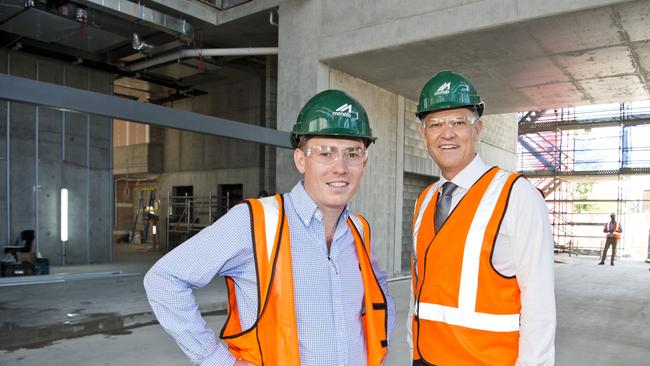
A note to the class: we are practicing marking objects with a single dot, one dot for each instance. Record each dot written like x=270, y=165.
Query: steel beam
x=586, y=173
x=525, y=128
x=29, y=91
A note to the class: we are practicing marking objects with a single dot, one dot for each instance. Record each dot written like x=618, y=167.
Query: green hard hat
x=332, y=113
x=447, y=90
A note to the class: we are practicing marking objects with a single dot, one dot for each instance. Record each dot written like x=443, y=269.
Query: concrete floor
x=603, y=319
x=603, y=313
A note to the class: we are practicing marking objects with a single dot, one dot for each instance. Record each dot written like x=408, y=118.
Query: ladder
x=145, y=212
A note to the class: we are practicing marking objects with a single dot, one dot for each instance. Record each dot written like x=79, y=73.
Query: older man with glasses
x=304, y=285
x=482, y=258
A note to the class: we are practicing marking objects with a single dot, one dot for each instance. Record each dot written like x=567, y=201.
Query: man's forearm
x=176, y=310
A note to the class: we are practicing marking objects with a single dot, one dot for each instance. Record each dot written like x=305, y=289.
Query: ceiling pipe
x=139, y=45
x=189, y=53
x=272, y=20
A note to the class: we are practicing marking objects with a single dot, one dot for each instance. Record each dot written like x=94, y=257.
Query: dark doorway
x=229, y=195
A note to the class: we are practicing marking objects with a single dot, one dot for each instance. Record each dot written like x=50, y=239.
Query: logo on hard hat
x=343, y=111
x=443, y=89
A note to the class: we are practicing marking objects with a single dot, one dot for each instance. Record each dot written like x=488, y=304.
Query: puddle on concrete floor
x=13, y=337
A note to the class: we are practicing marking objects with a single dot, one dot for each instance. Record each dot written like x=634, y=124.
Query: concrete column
x=300, y=74
x=396, y=263
x=270, y=115
x=5, y=124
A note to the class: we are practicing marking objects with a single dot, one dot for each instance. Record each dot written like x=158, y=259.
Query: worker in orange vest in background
x=613, y=230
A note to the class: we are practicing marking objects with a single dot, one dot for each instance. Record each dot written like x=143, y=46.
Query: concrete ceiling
x=253, y=30
x=588, y=57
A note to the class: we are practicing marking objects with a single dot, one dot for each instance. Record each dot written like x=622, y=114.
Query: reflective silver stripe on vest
x=465, y=315
x=416, y=227
x=271, y=220
x=469, y=319
x=474, y=242
x=359, y=225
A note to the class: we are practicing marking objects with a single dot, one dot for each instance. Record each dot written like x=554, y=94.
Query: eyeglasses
x=329, y=154
x=460, y=123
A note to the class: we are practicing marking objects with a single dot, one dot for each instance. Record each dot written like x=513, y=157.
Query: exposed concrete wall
x=416, y=156
x=499, y=140
x=237, y=100
x=129, y=133
x=414, y=184
x=205, y=182
x=100, y=196
x=49, y=150
x=270, y=121
x=137, y=159
x=4, y=208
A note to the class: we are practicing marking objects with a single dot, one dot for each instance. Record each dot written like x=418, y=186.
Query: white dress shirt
x=524, y=248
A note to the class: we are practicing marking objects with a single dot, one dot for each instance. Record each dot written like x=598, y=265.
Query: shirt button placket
x=335, y=279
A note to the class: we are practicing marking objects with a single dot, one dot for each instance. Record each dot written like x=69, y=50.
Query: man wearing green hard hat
x=482, y=257
x=304, y=285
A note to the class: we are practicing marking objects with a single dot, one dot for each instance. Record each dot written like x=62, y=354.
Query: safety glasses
x=458, y=123
x=327, y=155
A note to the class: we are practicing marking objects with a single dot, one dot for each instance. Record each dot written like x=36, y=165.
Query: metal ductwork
x=187, y=53
x=132, y=11
x=89, y=25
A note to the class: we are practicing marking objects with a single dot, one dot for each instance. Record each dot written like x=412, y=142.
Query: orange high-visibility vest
x=273, y=339
x=617, y=230
x=465, y=312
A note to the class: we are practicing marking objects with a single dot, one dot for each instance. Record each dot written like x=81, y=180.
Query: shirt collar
x=466, y=178
x=306, y=208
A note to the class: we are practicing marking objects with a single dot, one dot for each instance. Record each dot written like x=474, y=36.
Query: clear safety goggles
x=459, y=123
x=329, y=154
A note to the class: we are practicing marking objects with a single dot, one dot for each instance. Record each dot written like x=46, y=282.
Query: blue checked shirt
x=328, y=290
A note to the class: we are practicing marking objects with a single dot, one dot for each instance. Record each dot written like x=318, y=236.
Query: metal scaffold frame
x=562, y=150
x=187, y=215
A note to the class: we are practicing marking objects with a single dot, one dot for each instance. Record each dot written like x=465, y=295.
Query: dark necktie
x=443, y=204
